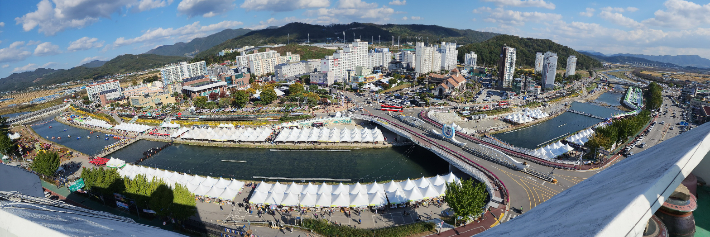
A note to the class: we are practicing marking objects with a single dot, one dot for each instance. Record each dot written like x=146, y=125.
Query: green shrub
x=324, y=228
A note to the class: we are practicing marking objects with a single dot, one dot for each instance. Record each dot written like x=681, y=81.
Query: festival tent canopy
x=222, y=183
x=115, y=163
x=308, y=200
x=407, y=185
x=264, y=187
x=185, y=179
x=197, y=180
x=214, y=192
x=450, y=178
x=377, y=199
x=441, y=189
x=294, y=188
x=325, y=188
x=359, y=200
x=413, y=194
x=290, y=199
x=278, y=188
x=429, y=192
x=310, y=188
x=228, y=194
x=235, y=185
x=437, y=180
x=202, y=190
x=423, y=182
x=397, y=197
x=274, y=198
x=324, y=200
x=357, y=188
x=192, y=187
x=392, y=186
x=374, y=188
x=341, y=189
x=340, y=200
x=209, y=181
x=258, y=198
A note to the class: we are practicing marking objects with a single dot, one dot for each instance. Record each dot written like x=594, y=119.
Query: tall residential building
x=506, y=67
x=424, y=57
x=103, y=92
x=286, y=70
x=408, y=57
x=571, y=65
x=470, y=59
x=335, y=68
x=549, y=69
x=261, y=63
x=539, y=58
x=448, y=55
x=173, y=73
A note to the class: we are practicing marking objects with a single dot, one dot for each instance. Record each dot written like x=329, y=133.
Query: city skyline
x=63, y=34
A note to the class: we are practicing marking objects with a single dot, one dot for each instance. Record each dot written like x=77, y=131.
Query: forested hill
x=122, y=64
x=198, y=44
x=299, y=33
x=525, y=48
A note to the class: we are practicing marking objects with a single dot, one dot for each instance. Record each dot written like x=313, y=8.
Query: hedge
x=324, y=228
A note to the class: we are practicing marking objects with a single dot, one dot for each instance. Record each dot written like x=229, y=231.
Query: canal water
x=364, y=165
x=565, y=124
x=89, y=146
x=613, y=99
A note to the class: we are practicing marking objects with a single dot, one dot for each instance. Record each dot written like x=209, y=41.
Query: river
x=90, y=145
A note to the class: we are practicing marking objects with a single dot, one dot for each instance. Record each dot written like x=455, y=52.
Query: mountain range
x=664, y=60
x=197, y=45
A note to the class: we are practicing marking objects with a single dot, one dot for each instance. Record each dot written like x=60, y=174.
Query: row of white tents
x=553, y=150
x=132, y=127
x=356, y=195
x=224, y=189
x=95, y=123
x=535, y=113
x=581, y=137
x=330, y=135
x=528, y=115
x=259, y=134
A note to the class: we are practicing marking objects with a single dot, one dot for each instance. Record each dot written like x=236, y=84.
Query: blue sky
x=68, y=33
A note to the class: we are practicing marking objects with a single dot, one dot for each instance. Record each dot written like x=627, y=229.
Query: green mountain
x=681, y=60
x=525, y=48
x=198, y=44
x=93, y=64
x=299, y=33
x=627, y=59
x=122, y=64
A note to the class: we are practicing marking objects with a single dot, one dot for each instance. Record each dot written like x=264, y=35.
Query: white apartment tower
x=261, y=63
x=173, y=73
x=428, y=59
x=448, y=55
x=539, y=58
x=506, y=67
x=571, y=65
x=470, y=59
x=549, y=69
x=102, y=92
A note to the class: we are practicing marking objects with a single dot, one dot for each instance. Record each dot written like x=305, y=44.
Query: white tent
x=340, y=200
x=429, y=192
x=202, y=190
x=310, y=188
x=341, y=189
x=392, y=186
x=437, y=180
x=209, y=181
x=214, y=192
x=334, y=135
x=414, y=194
x=192, y=187
x=450, y=178
x=324, y=200
x=357, y=188
x=377, y=199
x=325, y=188
x=397, y=197
x=308, y=200
x=423, y=182
x=374, y=188
x=407, y=185
x=359, y=200
x=263, y=187
x=441, y=189
x=257, y=198
x=278, y=188
x=185, y=179
x=222, y=183
x=274, y=198
x=294, y=188
x=228, y=194
x=236, y=185
x=345, y=135
x=197, y=180
x=290, y=199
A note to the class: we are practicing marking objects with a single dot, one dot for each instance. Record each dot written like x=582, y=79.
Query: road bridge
x=37, y=115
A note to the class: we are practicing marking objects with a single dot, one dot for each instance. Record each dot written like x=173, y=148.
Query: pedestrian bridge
x=36, y=115
x=619, y=200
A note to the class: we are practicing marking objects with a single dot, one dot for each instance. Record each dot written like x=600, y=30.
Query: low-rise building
x=155, y=101
x=286, y=70
x=321, y=78
x=143, y=89
x=204, y=89
x=451, y=83
x=104, y=92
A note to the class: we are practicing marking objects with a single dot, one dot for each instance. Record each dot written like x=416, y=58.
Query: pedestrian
x=220, y=207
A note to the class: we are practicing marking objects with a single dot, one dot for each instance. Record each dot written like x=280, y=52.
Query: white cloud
x=85, y=43
x=398, y=2
x=89, y=59
x=184, y=33
x=2, y=24
x=46, y=49
x=405, y=18
x=481, y=10
x=588, y=13
x=352, y=10
x=6, y=66
x=523, y=3
x=681, y=14
x=34, y=42
x=508, y=17
x=145, y=5
x=28, y=67
x=49, y=64
x=283, y=5
x=619, y=19
x=57, y=15
x=205, y=8
x=14, y=53
x=631, y=9
x=416, y=18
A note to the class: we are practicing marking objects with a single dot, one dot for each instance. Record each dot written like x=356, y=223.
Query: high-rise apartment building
x=448, y=55
x=571, y=65
x=261, y=63
x=103, y=92
x=549, y=69
x=173, y=73
x=539, y=58
x=470, y=59
x=346, y=61
x=506, y=67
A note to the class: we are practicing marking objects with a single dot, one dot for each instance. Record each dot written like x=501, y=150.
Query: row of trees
x=654, y=96
x=178, y=202
x=617, y=132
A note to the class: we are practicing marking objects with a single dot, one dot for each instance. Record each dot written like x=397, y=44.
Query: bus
x=391, y=109
x=391, y=106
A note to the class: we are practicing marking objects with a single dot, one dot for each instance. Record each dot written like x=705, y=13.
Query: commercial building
x=204, y=89
x=470, y=59
x=173, y=73
x=506, y=67
x=154, y=101
x=549, y=69
x=103, y=92
x=539, y=58
x=195, y=80
x=571, y=65
x=321, y=78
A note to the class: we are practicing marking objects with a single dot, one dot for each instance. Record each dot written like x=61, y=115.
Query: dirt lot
x=685, y=76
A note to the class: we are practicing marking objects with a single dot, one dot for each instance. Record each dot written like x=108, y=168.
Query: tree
x=213, y=96
x=161, y=199
x=224, y=102
x=392, y=81
x=252, y=78
x=295, y=89
x=267, y=96
x=312, y=88
x=654, y=96
x=466, y=199
x=241, y=97
x=46, y=163
x=7, y=146
x=183, y=203
x=199, y=101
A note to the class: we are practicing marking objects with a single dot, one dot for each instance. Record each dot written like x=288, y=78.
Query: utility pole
x=309, y=38
x=379, y=39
